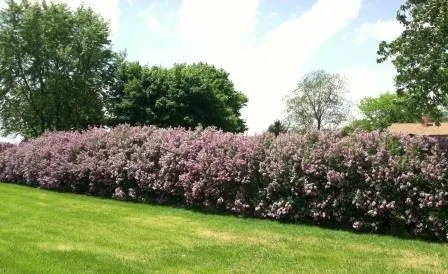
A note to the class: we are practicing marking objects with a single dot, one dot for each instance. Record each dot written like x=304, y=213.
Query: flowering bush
x=371, y=181
x=4, y=146
x=368, y=181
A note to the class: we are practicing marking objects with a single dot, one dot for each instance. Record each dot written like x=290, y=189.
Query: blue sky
x=265, y=45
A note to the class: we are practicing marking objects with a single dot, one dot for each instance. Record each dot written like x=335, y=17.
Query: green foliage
x=380, y=112
x=420, y=54
x=54, y=65
x=277, y=127
x=393, y=145
x=318, y=101
x=185, y=95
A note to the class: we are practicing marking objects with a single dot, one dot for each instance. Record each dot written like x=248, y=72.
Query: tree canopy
x=277, y=128
x=380, y=112
x=318, y=101
x=55, y=65
x=184, y=95
x=420, y=54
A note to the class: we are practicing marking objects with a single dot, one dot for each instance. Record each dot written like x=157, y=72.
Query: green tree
x=277, y=128
x=318, y=101
x=55, y=66
x=380, y=112
x=185, y=95
x=420, y=54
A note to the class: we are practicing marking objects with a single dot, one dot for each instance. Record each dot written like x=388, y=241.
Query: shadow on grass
x=169, y=202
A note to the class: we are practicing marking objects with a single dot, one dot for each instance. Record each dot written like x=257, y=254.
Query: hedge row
x=368, y=181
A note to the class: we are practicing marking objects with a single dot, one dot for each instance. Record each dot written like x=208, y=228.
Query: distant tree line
x=58, y=71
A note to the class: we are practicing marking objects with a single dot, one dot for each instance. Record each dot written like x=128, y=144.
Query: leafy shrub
x=373, y=182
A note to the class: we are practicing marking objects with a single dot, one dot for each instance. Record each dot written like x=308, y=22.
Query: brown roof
x=419, y=129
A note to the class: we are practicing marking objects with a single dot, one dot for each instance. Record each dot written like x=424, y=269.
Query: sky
x=267, y=46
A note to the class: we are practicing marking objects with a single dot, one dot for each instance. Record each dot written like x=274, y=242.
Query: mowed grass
x=47, y=232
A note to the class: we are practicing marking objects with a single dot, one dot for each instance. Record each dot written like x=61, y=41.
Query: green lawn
x=46, y=232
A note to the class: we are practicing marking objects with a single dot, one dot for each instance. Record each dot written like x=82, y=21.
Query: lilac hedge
x=366, y=181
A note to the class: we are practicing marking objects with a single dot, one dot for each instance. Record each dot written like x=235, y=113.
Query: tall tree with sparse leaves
x=420, y=55
x=318, y=101
x=55, y=66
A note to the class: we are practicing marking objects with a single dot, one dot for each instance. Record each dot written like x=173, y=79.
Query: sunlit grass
x=47, y=232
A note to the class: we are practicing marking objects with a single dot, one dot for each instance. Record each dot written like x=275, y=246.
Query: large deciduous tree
x=55, y=64
x=318, y=101
x=184, y=95
x=420, y=54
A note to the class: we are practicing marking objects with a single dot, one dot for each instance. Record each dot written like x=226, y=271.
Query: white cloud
x=110, y=10
x=265, y=70
x=369, y=81
x=153, y=24
x=151, y=21
x=217, y=22
x=379, y=31
x=273, y=14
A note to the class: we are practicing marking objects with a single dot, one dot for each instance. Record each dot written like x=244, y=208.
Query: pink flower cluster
x=4, y=146
x=367, y=181
x=370, y=181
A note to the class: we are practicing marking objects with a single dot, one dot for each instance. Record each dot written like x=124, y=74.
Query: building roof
x=419, y=129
